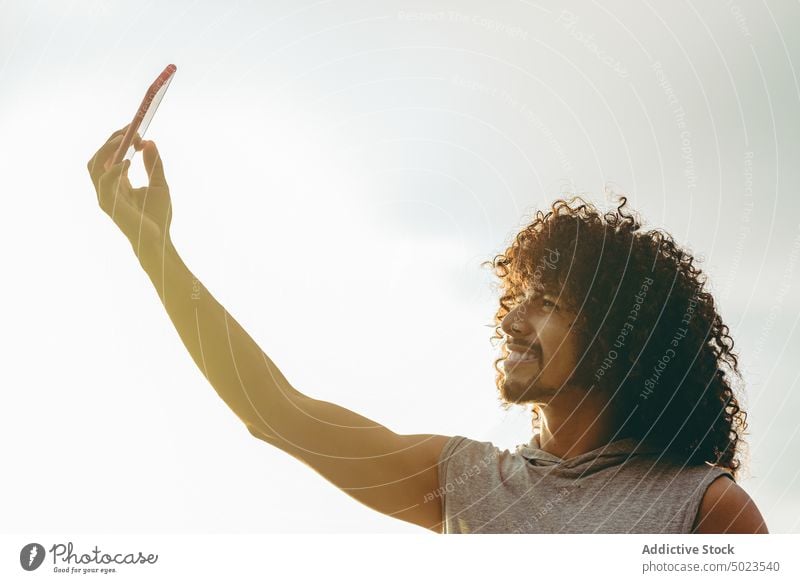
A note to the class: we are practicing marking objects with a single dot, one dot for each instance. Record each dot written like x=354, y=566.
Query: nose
x=515, y=323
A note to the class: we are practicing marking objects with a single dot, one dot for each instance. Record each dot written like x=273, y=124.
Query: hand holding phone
x=144, y=214
x=144, y=115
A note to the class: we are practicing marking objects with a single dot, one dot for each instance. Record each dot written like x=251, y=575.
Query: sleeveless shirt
x=621, y=487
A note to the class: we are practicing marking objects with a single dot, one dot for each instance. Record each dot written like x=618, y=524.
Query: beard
x=522, y=385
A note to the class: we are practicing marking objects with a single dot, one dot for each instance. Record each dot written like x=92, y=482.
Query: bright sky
x=338, y=172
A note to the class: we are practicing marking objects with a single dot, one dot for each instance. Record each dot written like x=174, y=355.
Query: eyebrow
x=530, y=291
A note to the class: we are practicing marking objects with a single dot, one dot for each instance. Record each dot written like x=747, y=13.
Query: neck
x=573, y=424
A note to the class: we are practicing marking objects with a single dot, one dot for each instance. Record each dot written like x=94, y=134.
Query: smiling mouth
x=517, y=358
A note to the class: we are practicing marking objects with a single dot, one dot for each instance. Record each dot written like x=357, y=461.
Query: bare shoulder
x=727, y=509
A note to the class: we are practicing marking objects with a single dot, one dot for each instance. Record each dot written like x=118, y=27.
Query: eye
x=546, y=303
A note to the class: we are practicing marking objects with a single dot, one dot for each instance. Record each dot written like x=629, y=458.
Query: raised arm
x=391, y=473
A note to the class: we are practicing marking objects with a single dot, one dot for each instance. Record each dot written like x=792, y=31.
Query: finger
x=113, y=185
x=153, y=164
x=97, y=165
x=118, y=133
x=122, y=155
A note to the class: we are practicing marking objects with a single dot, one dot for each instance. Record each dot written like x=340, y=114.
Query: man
x=609, y=335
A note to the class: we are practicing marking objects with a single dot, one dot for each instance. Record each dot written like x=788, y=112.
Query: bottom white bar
x=121, y=558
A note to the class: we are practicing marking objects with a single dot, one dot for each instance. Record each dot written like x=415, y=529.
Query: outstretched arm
x=240, y=372
x=391, y=473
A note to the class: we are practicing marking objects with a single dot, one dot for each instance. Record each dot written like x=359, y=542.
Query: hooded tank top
x=622, y=487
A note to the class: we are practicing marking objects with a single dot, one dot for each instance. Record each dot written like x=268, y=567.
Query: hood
x=608, y=455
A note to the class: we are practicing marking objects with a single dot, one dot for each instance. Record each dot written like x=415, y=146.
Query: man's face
x=538, y=375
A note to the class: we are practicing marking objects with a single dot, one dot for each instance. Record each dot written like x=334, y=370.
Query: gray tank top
x=617, y=488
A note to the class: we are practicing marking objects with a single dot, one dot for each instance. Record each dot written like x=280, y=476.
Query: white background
x=338, y=171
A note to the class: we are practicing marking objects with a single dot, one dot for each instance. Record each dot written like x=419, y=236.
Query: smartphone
x=144, y=114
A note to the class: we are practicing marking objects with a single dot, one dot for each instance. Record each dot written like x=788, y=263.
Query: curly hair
x=652, y=338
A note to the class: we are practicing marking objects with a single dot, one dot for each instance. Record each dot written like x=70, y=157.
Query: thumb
x=153, y=164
